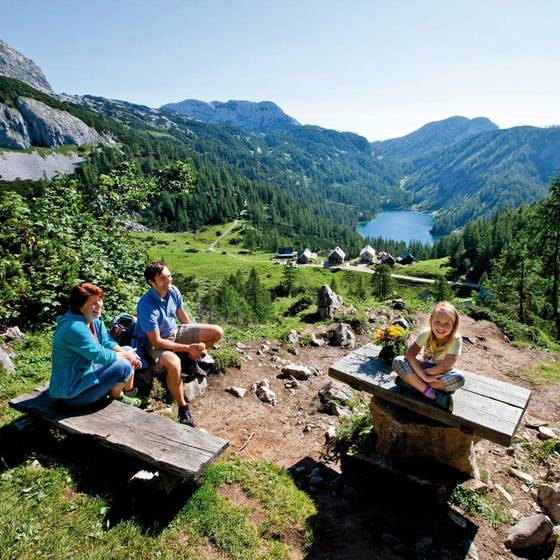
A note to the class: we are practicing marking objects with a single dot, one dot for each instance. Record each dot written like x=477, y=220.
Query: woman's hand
x=131, y=356
x=196, y=350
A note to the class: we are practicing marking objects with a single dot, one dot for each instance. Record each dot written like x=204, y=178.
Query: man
x=160, y=338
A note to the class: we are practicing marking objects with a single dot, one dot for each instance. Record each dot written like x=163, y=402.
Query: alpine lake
x=400, y=225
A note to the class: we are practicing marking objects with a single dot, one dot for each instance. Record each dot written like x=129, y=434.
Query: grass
x=69, y=506
x=494, y=510
x=425, y=269
x=44, y=514
x=543, y=373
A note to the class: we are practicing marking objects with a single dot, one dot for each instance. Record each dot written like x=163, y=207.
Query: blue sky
x=378, y=68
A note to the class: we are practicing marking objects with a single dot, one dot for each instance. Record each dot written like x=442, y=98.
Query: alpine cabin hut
x=337, y=256
x=286, y=253
x=405, y=258
x=386, y=258
x=367, y=254
x=306, y=256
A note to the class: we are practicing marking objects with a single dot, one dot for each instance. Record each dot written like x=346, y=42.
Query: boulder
x=335, y=398
x=292, y=337
x=267, y=395
x=237, y=391
x=343, y=336
x=546, y=433
x=297, y=372
x=530, y=532
x=327, y=302
x=520, y=475
x=398, y=304
x=195, y=388
x=6, y=362
x=549, y=498
x=316, y=340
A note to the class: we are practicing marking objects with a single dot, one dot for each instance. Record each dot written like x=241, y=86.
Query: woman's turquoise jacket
x=76, y=355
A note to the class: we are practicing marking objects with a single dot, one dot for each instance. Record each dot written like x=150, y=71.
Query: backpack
x=123, y=330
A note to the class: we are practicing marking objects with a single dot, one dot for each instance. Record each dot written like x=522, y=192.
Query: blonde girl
x=434, y=375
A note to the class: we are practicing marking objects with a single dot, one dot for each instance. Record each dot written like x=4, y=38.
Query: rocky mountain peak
x=13, y=64
x=263, y=116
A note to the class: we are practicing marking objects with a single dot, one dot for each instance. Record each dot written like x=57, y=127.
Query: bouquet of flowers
x=392, y=339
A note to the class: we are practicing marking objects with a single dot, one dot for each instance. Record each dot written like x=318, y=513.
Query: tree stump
x=403, y=434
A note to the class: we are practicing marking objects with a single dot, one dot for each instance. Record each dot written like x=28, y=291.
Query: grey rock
x=330, y=434
x=546, y=433
x=13, y=130
x=52, y=127
x=316, y=341
x=401, y=322
x=530, y=532
x=293, y=350
x=549, y=498
x=504, y=493
x=390, y=540
x=422, y=546
x=476, y=486
x=241, y=346
x=333, y=397
x=472, y=552
x=343, y=336
x=292, y=337
x=237, y=391
x=398, y=304
x=327, y=302
x=263, y=116
x=266, y=395
x=291, y=384
x=297, y=371
x=195, y=388
x=520, y=475
x=6, y=362
x=15, y=65
x=264, y=348
x=13, y=333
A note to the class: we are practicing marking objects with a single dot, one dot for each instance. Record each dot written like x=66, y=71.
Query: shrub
x=225, y=358
x=301, y=303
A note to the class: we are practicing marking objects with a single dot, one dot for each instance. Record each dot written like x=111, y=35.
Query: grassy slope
x=69, y=506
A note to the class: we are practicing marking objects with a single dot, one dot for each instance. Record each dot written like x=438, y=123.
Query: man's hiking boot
x=185, y=416
x=444, y=400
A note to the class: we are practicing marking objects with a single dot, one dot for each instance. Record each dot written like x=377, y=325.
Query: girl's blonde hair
x=448, y=309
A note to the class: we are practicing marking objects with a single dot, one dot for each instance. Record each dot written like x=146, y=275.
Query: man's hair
x=153, y=269
x=80, y=294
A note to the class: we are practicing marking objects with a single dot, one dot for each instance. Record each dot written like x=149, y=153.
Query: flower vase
x=387, y=354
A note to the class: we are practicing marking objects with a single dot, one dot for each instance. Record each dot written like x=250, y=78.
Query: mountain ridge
x=431, y=137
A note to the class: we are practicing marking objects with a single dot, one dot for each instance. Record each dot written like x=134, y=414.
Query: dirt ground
x=356, y=523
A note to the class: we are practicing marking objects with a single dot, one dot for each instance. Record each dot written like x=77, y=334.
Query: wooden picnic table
x=484, y=407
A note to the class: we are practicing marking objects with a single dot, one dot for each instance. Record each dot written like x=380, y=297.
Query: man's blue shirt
x=157, y=313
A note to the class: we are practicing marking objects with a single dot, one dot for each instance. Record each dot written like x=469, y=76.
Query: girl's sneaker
x=444, y=400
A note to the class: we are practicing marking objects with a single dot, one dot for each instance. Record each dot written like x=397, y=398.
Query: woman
x=87, y=364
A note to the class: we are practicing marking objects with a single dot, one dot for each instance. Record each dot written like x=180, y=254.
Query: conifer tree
x=381, y=282
x=442, y=290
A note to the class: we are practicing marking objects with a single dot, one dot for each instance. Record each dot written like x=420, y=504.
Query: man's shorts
x=185, y=334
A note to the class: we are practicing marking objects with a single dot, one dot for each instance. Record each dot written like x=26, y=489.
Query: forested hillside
x=486, y=172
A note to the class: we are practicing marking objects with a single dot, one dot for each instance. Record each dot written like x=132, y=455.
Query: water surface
x=400, y=225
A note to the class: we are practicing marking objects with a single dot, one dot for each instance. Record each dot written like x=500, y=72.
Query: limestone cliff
x=264, y=116
x=14, y=65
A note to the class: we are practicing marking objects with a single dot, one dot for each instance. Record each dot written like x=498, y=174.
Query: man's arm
x=183, y=317
x=193, y=350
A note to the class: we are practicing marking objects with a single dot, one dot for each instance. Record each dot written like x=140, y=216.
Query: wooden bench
x=484, y=407
x=178, y=449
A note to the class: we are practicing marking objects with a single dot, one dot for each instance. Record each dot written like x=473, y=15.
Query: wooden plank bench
x=484, y=407
x=178, y=449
